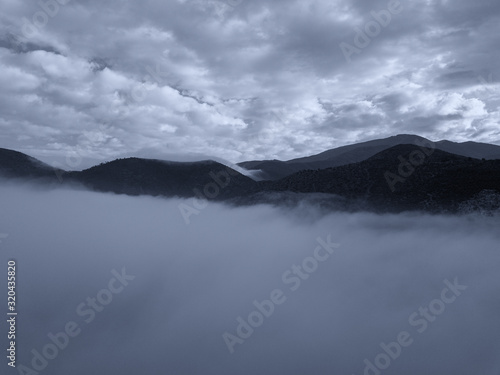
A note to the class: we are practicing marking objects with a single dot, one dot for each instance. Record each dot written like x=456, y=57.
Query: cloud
x=193, y=281
x=206, y=76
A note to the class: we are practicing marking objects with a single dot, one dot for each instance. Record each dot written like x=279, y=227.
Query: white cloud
x=213, y=72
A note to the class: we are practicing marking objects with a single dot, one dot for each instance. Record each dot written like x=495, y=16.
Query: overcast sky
x=243, y=79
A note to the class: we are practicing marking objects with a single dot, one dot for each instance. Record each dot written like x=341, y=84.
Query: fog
x=177, y=309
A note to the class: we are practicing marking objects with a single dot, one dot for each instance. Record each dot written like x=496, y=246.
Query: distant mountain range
x=275, y=169
x=403, y=177
x=395, y=174
x=134, y=176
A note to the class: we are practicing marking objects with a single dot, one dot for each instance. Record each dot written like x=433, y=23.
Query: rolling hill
x=275, y=169
x=404, y=177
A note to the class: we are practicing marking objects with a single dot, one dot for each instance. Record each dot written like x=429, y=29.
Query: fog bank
x=180, y=292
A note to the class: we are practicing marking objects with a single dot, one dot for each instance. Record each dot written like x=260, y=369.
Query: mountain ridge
x=388, y=181
x=276, y=169
x=404, y=177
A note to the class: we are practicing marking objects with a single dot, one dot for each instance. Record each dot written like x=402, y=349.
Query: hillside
x=15, y=164
x=275, y=169
x=389, y=182
x=402, y=177
x=134, y=176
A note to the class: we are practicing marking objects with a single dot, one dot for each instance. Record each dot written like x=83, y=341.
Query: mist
x=333, y=290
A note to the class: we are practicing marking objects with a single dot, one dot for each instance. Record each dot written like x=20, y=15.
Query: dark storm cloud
x=17, y=44
x=206, y=76
x=184, y=286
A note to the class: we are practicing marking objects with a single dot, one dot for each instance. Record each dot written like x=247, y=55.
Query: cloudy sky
x=88, y=80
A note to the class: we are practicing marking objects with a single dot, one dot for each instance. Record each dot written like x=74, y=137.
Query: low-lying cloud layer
x=166, y=293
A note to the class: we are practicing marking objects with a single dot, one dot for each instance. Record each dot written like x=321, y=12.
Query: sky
x=89, y=81
x=183, y=287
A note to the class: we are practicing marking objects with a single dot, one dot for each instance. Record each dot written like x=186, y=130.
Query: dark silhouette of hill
x=134, y=176
x=399, y=178
x=470, y=149
x=275, y=169
x=403, y=177
x=15, y=164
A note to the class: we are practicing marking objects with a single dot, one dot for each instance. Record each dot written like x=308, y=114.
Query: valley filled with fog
x=253, y=290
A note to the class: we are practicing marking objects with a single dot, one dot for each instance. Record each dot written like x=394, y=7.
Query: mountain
x=403, y=177
x=134, y=176
x=470, y=149
x=275, y=169
x=15, y=164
